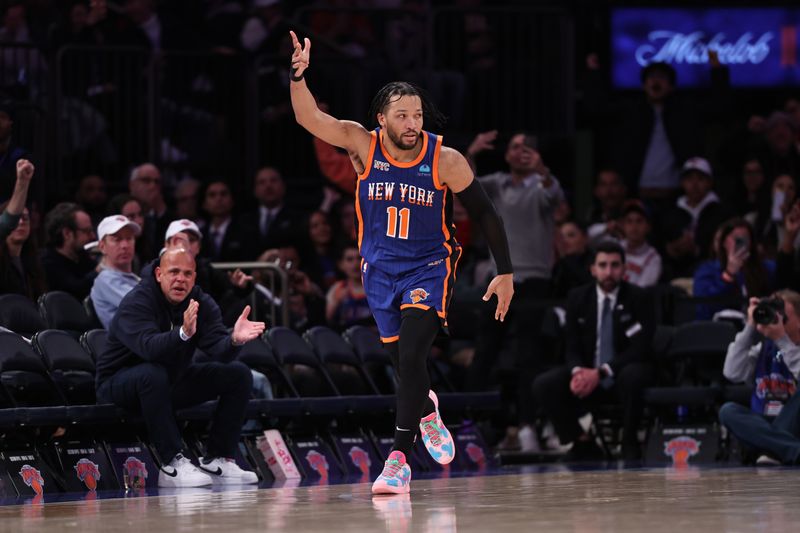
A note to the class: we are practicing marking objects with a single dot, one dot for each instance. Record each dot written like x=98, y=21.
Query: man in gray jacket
x=767, y=353
x=526, y=197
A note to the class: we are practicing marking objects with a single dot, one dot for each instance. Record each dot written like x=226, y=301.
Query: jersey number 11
x=391, y=224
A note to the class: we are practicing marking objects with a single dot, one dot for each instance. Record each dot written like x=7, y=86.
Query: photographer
x=767, y=354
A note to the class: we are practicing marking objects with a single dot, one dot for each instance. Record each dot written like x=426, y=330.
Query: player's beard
x=398, y=140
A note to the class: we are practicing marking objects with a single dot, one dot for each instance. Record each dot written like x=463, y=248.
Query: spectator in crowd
x=777, y=146
x=20, y=267
x=648, y=139
x=609, y=193
x=787, y=260
x=226, y=289
x=265, y=28
x=768, y=222
x=117, y=241
x=91, y=196
x=306, y=299
x=346, y=301
x=335, y=164
x=700, y=202
x=610, y=326
x=272, y=224
x=751, y=192
x=642, y=261
x=321, y=260
x=766, y=354
x=67, y=265
x=186, y=199
x=147, y=368
x=10, y=154
x=737, y=270
x=145, y=185
x=225, y=238
x=572, y=268
x=526, y=197
x=9, y=219
x=128, y=206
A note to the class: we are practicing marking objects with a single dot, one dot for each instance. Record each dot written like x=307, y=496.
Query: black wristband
x=292, y=76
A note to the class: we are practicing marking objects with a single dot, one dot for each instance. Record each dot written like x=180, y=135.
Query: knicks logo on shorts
x=418, y=295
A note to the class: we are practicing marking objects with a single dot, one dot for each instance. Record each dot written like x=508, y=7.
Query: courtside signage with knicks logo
x=680, y=449
x=88, y=472
x=381, y=165
x=418, y=295
x=318, y=463
x=32, y=477
x=134, y=473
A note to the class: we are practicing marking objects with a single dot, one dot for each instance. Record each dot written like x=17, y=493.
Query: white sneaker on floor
x=227, y=472
x=180, y=472
x=766, y=460
x=528, y=440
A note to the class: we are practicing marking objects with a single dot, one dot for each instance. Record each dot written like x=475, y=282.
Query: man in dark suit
x=610, y=326
x=272, y=224
x=224, y=239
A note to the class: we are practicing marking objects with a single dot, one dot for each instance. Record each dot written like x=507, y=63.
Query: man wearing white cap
x=117, y=242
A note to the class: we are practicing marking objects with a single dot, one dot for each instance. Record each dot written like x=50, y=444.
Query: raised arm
x=346, y=134
x=10, y=217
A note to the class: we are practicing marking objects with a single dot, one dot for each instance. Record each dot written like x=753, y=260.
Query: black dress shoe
x=585, y=451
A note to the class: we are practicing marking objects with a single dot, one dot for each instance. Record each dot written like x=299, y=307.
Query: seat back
x=376, y=360
x=61, y=310
x=70, y=366
x=311, y=379
x=23, y=374
x=341, y=361
x=19, y=314
x=88, y=306
x=94, y=342
x=257, y=354
x=699, y=349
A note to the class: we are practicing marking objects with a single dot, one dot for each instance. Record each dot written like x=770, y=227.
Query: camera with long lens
x=769, y=311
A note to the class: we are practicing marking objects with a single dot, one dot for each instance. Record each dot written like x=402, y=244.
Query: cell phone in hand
x=740, y=243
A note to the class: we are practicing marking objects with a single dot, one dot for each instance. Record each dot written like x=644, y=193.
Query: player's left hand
x=245, y=330
x=503, y=286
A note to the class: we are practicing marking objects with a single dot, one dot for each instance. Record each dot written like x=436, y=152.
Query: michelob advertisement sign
x=758, y=45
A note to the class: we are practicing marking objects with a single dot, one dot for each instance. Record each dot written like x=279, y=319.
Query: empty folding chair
x=258, y=355
x=342, y=363
x=376, y=360
x=26, y=383
x=19, y=314
x=305, y=369
x=88, y=306
x=94, y=342
x=63, y=311
x=71, y=368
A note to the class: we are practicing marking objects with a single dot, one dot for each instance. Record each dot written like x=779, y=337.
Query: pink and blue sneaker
x=396, y=476
x=436, y=437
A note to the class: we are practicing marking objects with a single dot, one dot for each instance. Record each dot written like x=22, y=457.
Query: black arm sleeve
x=482, y=211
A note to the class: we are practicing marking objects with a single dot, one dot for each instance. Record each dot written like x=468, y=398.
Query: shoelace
x=391, y=468
x=433, y=431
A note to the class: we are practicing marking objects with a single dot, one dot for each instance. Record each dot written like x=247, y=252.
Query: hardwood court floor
x=653, y=500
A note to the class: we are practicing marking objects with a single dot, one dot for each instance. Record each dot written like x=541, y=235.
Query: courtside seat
x=61, y=310
x=257, y=354
x=71, y=368
x=27, y=385
x=19, y=314
x=94, y=342
x=306, y=370
x=376, y=360
x=342, y=363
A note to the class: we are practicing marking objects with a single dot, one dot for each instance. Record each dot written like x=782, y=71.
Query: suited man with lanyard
x=610, y=326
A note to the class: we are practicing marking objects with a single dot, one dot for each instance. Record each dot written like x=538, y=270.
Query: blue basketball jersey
x=404, y=213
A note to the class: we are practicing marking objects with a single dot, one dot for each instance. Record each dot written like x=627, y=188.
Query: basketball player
x=406, y=240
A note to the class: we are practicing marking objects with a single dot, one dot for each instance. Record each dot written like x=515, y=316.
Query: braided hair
x=395, y=90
